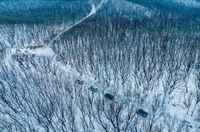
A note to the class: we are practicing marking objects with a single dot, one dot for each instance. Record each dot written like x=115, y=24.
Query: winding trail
x=93, y=11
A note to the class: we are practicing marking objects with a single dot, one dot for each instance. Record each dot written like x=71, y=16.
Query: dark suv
x=93, y=89
x=109, y=96
x=142, y=113
x=79, y=82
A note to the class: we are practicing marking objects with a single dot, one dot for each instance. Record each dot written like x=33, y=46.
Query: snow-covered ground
x=175, y=108
x=178, y=113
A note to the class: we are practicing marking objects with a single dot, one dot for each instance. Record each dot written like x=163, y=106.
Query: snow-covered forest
x=100, y=66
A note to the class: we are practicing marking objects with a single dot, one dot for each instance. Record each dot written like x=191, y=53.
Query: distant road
x=93, y=11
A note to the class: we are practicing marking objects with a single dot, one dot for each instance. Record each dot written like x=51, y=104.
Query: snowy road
x=93, y=11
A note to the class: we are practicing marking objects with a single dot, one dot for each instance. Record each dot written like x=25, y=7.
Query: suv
x=109, y=96
x=93, y=89
x=79, y=82
x=142, y=113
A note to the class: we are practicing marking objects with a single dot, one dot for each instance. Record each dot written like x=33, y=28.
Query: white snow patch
x=43, y=51
x=93, y=10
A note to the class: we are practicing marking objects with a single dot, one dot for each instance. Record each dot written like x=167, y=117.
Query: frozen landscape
x=100, y=66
